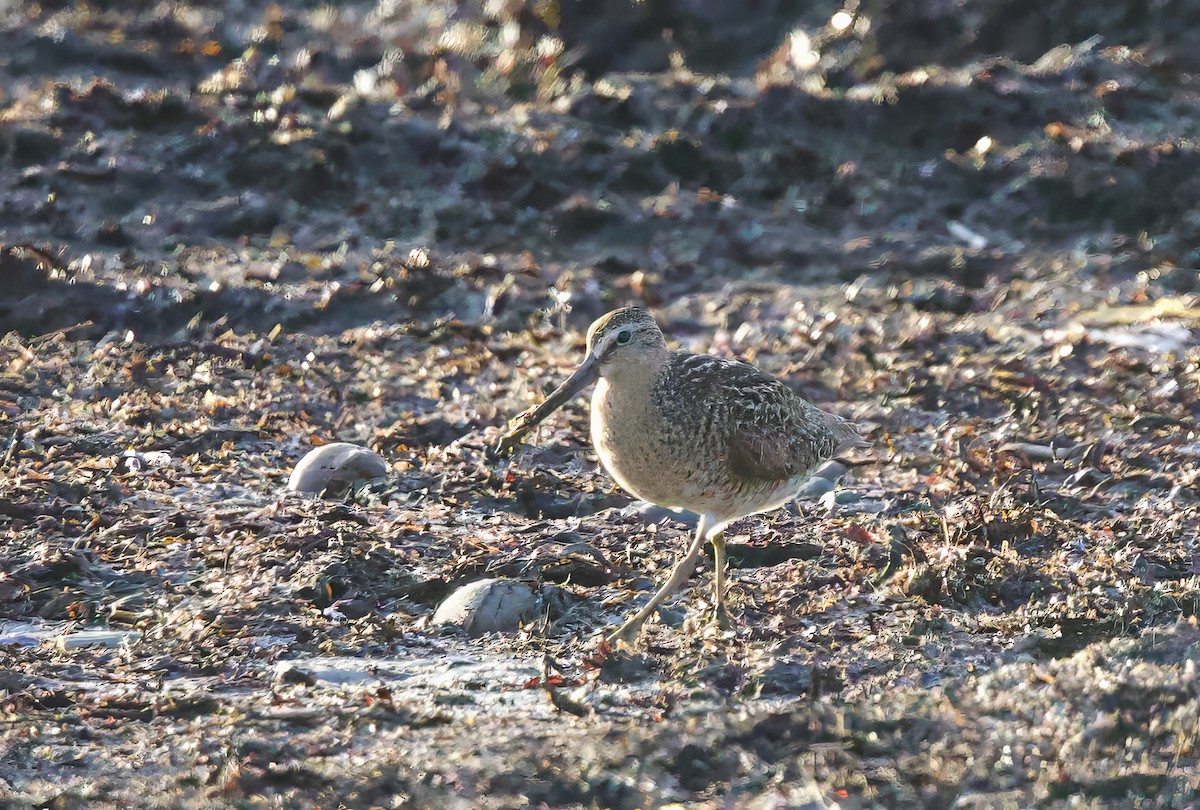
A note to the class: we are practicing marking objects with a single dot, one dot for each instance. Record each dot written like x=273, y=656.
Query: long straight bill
x=584, y=376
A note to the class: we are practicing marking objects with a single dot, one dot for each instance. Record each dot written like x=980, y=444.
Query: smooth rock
x=24, y=634
x=843, y=497
x=815, y=487
x=672, y=616
x=334, y=467
x=831, y=470
x=650, y=513
x=488, y=606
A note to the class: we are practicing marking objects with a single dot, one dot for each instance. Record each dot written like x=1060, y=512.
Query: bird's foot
x=722, y=619
x=627, y=632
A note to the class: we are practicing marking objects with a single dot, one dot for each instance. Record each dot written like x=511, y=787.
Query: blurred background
x=493, y=162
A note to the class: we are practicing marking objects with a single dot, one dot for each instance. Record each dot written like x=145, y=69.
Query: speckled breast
x=662, y=462
x=638, y=450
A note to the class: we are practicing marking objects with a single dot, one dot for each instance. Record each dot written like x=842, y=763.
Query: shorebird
x=717, y=437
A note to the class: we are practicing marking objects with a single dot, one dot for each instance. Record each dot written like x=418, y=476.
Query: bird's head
x=626, y=340
x=625, y=336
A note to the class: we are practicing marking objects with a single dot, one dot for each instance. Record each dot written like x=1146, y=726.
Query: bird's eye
x=624, y=336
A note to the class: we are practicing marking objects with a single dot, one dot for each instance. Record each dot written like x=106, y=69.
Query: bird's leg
x=679, y=574
x=721, y=618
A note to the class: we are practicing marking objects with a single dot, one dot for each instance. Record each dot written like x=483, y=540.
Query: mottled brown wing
x=759, y=420
x=777, y=434
x=762, y=458
x=790, y=437
x=768, y=432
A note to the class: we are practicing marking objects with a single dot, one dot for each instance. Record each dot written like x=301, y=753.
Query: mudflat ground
x=234, y=231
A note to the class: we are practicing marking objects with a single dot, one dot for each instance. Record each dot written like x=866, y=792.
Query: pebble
x=815, y=487
x=672, y=616
x=1087, y=477
x=831, y=470
x=334, y=467
x=488, y=606
x=650, y=513
x=843, y=497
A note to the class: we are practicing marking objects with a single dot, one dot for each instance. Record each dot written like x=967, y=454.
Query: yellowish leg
x=722, y=617
x=679, y=574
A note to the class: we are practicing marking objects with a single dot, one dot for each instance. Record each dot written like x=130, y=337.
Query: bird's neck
x=633, y=378
x=623, y=391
